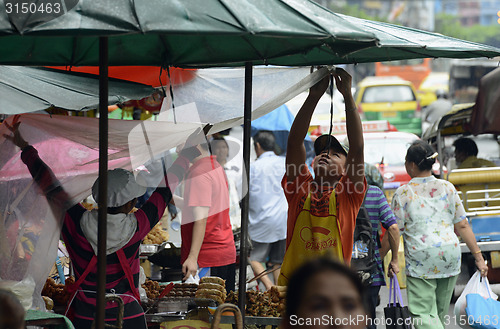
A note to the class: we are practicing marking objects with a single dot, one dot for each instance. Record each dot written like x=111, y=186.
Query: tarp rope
x=331, y=113
x=171, y=92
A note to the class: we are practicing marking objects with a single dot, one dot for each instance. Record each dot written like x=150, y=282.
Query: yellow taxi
x=433, y=82
x=392, y=99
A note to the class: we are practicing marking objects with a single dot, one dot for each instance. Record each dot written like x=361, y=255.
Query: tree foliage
x=450, y=25
x=445, y=24
x=352, y=10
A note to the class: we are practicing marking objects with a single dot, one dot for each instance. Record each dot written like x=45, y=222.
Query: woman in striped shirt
x=125, y=232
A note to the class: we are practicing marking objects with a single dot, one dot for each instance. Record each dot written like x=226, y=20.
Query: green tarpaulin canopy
x=395, y=43
x=30, y=89
x=199, y=33
x=179, y=33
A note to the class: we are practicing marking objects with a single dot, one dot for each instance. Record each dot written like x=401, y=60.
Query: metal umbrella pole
x=247, y=121
x=103, y=183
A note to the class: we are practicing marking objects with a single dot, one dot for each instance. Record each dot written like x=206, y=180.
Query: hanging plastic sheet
x=29, y=225
x=218, y=94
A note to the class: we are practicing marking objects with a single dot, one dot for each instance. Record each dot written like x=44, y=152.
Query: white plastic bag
x=195, y=279
x=23, y=290
x=142, y=279
x=473, y=286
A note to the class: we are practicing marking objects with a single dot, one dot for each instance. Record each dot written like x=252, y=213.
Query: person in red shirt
x=207, y=236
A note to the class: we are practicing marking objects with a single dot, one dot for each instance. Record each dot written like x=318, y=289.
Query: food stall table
x=260, y=321
x=172, y=321
x=47, y=319
x=157, y=318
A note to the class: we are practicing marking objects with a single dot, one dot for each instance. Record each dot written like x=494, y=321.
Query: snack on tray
x=213, y=279
x=278, y=293
x=152, y=289
x=49, y=303
x=156, y=236
x=183, y=290
x=206, y=292
x=258, y=303
x=211, y=286
x=232, y=298
x=216, y=298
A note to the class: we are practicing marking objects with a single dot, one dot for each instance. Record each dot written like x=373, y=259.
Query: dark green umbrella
x=178, y=33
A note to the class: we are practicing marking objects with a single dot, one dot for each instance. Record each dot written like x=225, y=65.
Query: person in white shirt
x=267, y=207
x=220, y=148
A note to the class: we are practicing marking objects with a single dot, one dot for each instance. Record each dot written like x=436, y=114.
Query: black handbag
x=397, y=316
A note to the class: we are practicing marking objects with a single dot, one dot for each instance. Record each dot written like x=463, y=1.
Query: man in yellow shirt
x=466, y=154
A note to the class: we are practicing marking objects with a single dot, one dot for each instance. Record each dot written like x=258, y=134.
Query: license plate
x=389, y=114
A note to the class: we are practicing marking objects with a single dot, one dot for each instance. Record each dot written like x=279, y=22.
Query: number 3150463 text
x=33, y=8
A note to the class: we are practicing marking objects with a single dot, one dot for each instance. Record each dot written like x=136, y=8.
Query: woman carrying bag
x=429, y=211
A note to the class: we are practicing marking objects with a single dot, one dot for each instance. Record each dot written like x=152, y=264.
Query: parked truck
x=464, y=77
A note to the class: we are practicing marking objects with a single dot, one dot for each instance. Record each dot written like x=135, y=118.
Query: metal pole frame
x=103, y=183
x=440, y=148
x=247, y=121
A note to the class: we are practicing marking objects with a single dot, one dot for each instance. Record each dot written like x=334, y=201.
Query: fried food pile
x=212, y=287
x=261, y=304
x=278, y=295
x=57, y=292
x=156, y=236
x=153, y=289
x=266, y=304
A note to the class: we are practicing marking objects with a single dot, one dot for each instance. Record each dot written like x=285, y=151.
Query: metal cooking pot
x=168, y=255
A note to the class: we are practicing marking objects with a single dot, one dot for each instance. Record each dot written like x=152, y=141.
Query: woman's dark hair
x=422, y=154
x=218, y=139
x=303, y=274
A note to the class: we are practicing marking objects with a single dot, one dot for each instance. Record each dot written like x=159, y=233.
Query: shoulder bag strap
x=398, y=290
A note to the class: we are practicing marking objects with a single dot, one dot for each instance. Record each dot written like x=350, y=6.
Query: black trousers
x=226, y=272
x=371, y=301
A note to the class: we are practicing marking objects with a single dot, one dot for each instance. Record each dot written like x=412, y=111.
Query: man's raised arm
x=355, y=158
x=296, y=152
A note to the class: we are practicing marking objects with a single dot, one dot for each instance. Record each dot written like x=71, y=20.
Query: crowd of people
x=301, y=223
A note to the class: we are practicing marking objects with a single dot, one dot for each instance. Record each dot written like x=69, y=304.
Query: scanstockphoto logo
x=25, y=14
x=154, y=146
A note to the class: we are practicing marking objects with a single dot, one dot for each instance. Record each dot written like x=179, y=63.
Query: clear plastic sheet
x=30, y=226
x=218, y=94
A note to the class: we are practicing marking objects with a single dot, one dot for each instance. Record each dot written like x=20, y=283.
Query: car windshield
x=391, y=151
x=394, y=93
